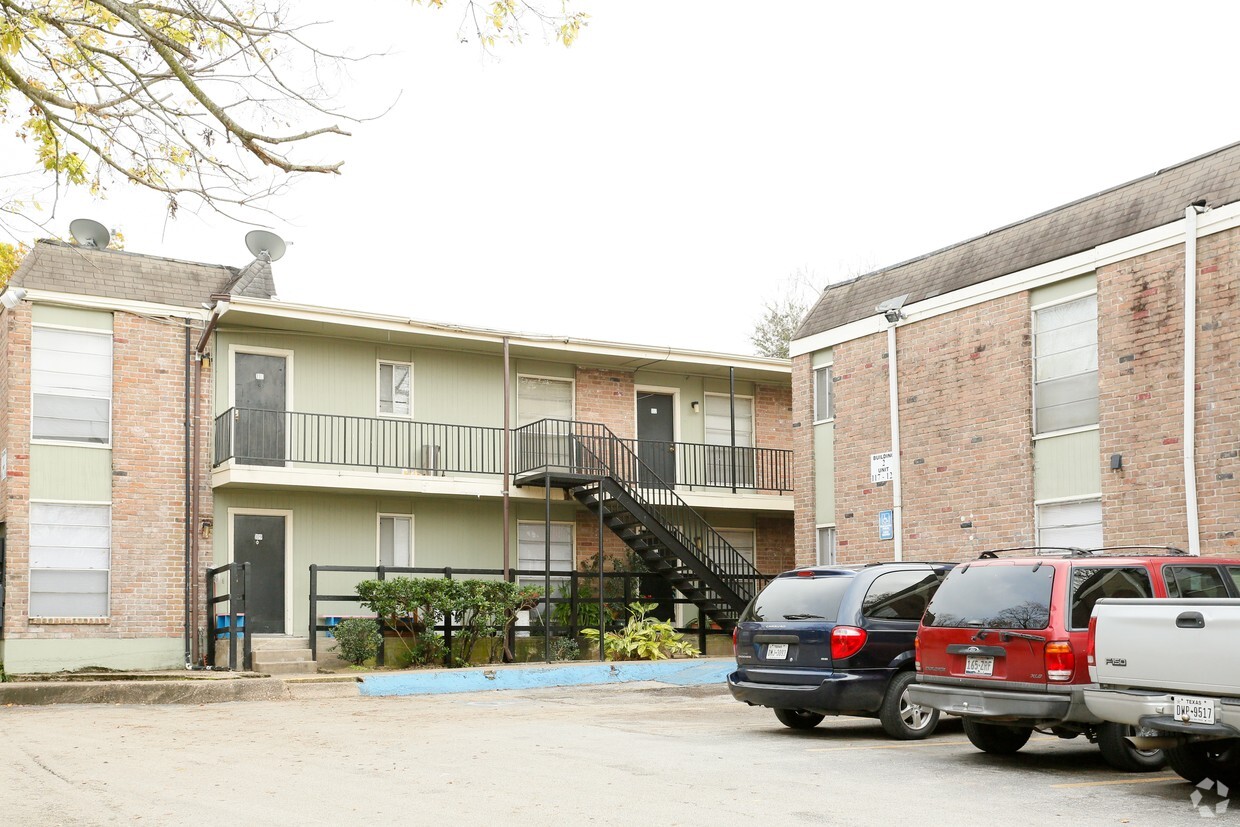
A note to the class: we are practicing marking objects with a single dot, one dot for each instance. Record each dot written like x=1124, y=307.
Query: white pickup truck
x=1172, y=669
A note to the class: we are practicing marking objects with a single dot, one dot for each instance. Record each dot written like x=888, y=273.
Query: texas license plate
x=777, y=651
x=979, y=665
x=1193, y=710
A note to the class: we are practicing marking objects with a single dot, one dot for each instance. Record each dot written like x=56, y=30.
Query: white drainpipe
x=897, y=502
x=1190, y=378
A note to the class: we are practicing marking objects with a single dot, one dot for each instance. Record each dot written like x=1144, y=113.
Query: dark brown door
x=656, y=434
x=258, y=539
x=258, y=422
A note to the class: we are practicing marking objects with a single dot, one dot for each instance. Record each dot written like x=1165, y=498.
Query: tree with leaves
x=191, y=98
x=781, y=316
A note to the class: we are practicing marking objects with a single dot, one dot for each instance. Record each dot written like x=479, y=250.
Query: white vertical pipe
x=1190, y=378
x=897, y=502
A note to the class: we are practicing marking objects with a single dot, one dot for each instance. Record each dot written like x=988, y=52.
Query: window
x=395, y=540
x=1065, y=382
x=993, y=597
x=741, y=539
x=719, y=457
x=548, y=443
x=541, y=398
x=900, y=595
x=71, y=385
x=395, y=389
x=1194, y=581
x=1071, y=525
x=824, y=399
x=1089, y=585
x=532, y=555
x=70, y=550
x=826, y=545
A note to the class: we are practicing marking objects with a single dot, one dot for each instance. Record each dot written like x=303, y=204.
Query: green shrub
x=565, y=648
x=487, y=609
x=357, y=639
x=643, y=637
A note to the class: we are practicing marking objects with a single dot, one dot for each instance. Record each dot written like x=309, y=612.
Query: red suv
x=1003, y=641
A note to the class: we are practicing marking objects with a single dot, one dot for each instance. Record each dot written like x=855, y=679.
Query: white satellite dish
x=89, y=233
x=262, y=241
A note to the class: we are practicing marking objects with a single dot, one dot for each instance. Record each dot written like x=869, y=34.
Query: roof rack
x=1076, y=551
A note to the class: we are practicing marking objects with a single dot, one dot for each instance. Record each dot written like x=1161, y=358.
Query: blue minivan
x=822, y=641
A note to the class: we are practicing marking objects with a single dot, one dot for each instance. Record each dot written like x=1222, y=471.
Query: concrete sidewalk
x=221, y=687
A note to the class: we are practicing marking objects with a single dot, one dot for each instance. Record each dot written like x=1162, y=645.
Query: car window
x=1091, y=584
x=900, y=595
x=1234, y=571
x=1194, y=581
x=994, y=597
x=799, y=598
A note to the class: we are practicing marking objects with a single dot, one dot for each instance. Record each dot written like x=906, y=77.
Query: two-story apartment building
x=1068, y=380
x=173, y=433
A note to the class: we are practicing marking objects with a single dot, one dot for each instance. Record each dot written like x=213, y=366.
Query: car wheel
x=997, y=739
x=900, y=717
x=1216, y=760
x=1119, y=752
x=799, y=718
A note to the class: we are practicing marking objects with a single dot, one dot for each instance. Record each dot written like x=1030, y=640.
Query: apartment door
x=258, y=539
x=260, y=393
x=656, y=435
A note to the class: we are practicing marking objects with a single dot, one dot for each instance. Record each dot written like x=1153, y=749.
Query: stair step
x=263, y=643
x=287, y=668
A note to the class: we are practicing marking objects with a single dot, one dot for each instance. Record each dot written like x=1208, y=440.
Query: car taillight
x=846, y=641
x=1089, y=647
x=734, y=630
x=917, y=653
x=1060, y=661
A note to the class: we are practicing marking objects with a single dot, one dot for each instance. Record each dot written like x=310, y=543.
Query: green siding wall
x=1063, y=289
x=824, y=474
x=71, y=317
x=1067, y=466
x=62, y=472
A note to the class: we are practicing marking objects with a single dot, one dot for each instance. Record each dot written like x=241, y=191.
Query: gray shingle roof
x=66, y=268
x=1130, y=208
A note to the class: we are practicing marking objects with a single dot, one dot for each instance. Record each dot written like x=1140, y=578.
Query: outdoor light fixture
x=891, y=308
x=12, y=298
x=697, y=407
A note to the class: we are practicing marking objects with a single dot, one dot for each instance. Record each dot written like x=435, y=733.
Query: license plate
x=777, y=651
x=979, y=665
x=1193, y=710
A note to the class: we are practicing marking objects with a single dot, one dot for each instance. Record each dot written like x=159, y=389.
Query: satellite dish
x=89, y=233
x=262, y=241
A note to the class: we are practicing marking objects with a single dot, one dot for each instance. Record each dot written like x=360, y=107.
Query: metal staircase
x=602, y=472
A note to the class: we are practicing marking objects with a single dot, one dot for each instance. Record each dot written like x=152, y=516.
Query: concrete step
x=270, y=655
x=309, y=690
x=289, y=667
x=262, y=643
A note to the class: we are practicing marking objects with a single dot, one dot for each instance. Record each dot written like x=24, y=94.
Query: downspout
x=732, y=420
x=195, y=512
x=507, y=448
x=188, y=508
x=1190, y=375
x=897, y=500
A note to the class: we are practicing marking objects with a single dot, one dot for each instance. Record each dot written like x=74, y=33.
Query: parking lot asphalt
x=636, y=753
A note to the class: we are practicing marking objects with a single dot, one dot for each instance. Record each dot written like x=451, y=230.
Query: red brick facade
x=15, y=492
x=803, y=471
x=609, y=397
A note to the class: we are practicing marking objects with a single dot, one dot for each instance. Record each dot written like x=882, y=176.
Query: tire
x=901, y=718
x=997, y=739
x=1217, y=760
x=1122, y=755
x=798, y=718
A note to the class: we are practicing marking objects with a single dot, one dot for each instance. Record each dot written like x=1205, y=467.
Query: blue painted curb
x=675, y=672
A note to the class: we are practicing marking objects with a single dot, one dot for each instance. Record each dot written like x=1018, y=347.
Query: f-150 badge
x=1117, y=661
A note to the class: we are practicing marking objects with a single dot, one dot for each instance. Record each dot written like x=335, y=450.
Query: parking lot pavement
x=628, y=754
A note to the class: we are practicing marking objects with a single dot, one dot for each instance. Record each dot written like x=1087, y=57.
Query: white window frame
x=833, y=552
x=753, y=419
x=379, y=363
x=516, y=409
x=753, y=545
x=107, y=616
x=830, y=369
x=379, y=518
x=1039, y=504
x=1033, y=386
x=111, y=388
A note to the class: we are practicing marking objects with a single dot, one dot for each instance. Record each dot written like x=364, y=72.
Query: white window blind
x=70, y=551
x=395, y=388
x=721, y=460
x=539, y=398
x=741, y=539
x=824, y=403
x=71, y=385
x=826, y=546
x=1073, y=525
x=1065, y=383
x=395, y=541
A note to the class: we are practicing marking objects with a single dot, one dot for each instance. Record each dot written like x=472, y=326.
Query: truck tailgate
x=1149, y=643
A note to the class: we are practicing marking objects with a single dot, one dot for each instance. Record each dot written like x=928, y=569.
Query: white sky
x=662, y=178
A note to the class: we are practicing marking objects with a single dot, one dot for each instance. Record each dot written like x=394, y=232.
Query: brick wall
x=1140, y=358
x=802, y=443
x=607, y=396
x=16, y=489
x=965, y=413
x=775, y=541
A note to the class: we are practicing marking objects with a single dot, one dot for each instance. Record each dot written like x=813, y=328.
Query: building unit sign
x=882, y=467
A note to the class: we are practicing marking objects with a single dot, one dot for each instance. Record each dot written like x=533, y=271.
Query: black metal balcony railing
x=257, y=437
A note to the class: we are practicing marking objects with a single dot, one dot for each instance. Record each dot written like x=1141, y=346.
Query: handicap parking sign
x=886, y=525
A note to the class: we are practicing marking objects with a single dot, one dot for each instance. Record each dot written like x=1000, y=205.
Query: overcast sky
x=659, y=180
